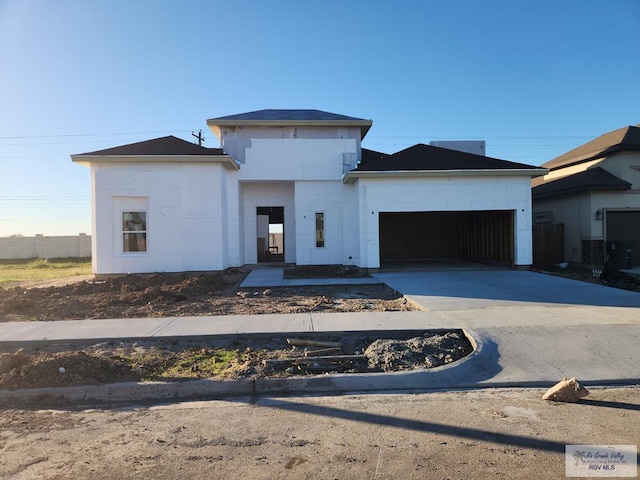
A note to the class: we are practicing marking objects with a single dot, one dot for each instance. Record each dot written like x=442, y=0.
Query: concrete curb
x=463, y=373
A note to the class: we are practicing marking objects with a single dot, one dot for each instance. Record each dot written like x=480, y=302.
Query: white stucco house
x=169, y=205
x=594, y=191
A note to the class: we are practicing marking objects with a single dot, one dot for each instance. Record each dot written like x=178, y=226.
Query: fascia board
x=226, y=160
x=215, y=125
x=352, y=176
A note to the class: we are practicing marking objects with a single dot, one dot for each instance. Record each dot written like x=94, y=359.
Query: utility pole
x=198, y=136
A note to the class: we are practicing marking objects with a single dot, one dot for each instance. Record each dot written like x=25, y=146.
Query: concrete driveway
x=535, y=328
x=465, y=289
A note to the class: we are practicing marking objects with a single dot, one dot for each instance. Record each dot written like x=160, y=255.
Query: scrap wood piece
x=311, y=360
x=322, y=351
x=299, y=342
x=567, y=390
x=329, y=358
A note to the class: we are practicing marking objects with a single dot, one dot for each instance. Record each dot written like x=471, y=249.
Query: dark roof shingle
x=626, y=138
x=428, y=157
x=592, y=179
x=290, y=118
x=287, y=114
x=169, y=145
x=371, y=155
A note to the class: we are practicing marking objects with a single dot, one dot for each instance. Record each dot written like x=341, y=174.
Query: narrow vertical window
x=134, y=231
x=319, y=229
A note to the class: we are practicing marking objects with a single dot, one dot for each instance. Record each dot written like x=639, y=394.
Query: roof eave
x=226, y=160
x=215, y=124
x=353, y=175
x=577, y=190
x=591, y=156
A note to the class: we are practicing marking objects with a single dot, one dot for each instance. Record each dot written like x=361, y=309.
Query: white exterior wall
x=236, y=140
x=304, y=176
x=201, y=216
x=327, y=198
x=295, y=159
x=263, y=194
x=443, y=194
x=185, y=205
x=231, y=224
x=351, y=251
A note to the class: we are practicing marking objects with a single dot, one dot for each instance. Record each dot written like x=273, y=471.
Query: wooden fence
x=548, y=244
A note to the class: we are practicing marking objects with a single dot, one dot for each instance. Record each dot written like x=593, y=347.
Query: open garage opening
x=447, y=238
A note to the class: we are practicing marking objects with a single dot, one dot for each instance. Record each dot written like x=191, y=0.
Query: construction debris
x=299, y=342
x=568, y=390
x=322, y=351
x=227, y=358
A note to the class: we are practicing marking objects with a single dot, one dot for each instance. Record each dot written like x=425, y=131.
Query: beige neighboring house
x=594, y=190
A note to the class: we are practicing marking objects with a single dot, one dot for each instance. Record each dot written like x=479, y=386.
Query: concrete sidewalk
x=274, y=277
x=530, y=330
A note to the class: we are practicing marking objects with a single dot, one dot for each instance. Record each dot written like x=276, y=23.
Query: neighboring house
x=594, y=190
x=169, y=205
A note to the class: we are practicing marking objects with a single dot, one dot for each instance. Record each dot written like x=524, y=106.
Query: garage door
x=623, y=238
x=485, y=236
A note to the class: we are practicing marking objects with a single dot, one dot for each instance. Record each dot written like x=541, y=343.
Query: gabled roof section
x=163, y=149
x=428, y=157
x=371, y=155
x=290, y=118
x=169, y=145
x=593, y=179
x=626, y=138
x=427, y=160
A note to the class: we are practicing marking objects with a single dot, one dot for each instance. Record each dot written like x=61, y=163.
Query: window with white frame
x=134, y=231
x=319, y=230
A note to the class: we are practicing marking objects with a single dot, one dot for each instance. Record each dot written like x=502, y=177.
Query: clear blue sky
x=534, y=79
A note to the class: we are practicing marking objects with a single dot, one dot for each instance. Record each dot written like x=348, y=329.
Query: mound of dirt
x=429, y=350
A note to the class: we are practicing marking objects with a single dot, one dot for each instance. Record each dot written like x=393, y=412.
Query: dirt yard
x=160, y=295
x=462, y=434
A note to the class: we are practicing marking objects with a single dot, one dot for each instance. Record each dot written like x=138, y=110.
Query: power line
x=483, y=137
x=44, y=143
x=373, y=136
x=63, y=135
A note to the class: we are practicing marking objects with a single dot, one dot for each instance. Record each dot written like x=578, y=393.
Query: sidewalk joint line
x=163, y=326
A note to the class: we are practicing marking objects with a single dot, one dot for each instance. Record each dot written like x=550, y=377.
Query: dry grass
x=13, y=272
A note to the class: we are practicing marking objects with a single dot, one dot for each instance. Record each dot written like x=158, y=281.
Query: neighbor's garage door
x=623, y=238
x=469, y=235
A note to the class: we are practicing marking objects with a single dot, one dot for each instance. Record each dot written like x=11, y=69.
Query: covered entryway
x=270, y=229
x=478, y=236
x=623, y=237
